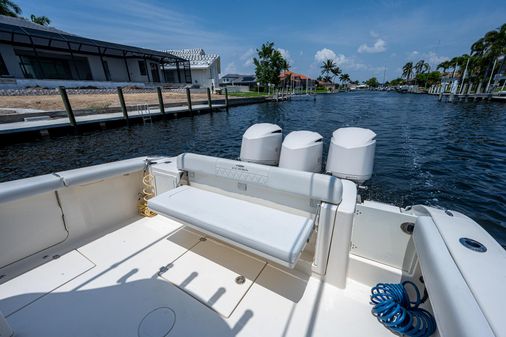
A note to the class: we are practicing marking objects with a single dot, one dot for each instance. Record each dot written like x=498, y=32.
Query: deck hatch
x=209, y=271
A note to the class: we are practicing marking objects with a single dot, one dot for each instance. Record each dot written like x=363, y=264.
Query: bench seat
x=271, y=233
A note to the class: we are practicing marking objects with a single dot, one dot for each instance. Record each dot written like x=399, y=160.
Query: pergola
x=53, y=40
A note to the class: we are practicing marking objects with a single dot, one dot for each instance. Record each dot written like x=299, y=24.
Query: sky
x=365, y=38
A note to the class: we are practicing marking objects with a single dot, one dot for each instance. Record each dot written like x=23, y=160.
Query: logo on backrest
x=239, y=168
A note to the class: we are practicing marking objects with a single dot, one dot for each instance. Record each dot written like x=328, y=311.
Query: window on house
x=106, y=71
x=42, y=67
x=3, y=67
x=53, y=66
x=142, y=68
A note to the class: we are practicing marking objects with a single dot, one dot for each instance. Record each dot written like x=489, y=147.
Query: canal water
x=428, y=152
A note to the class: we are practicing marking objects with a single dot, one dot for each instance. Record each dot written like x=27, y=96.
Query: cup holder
x=473, y=245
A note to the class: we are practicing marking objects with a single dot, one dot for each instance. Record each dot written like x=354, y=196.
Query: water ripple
x=450, y=155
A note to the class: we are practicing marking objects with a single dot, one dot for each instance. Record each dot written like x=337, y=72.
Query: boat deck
x=153, y=277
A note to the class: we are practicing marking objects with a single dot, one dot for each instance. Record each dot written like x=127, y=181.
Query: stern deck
x=155, y=265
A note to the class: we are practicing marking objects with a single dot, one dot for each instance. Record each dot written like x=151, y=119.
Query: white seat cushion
x=268, y=232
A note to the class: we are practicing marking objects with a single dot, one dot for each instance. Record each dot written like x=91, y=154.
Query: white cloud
x=412, y=55
x=230, y=68
x=340, y=59
x=247, y=57
x=286, y=55
x=374, y=33
x=435, y=59
x=324, y=54
x=378, y=47
x=430, y=57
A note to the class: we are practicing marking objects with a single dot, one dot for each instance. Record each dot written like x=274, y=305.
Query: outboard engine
x=302, y=150
x=261, y=144
x=351, y=154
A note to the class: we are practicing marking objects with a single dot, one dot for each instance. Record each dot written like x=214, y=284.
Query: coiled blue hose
x=394, y=310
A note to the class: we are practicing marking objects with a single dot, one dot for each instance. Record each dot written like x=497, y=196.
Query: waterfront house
x=205, y=68
x=292, y=80
x=249, y=81
x=34, y=55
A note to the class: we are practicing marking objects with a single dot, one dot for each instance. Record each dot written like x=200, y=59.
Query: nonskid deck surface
x=111, y=285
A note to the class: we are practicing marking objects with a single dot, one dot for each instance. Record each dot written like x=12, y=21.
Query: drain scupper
x=157, y=323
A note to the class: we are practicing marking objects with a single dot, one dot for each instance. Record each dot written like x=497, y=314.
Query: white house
x=205, y=68
x=34, y=55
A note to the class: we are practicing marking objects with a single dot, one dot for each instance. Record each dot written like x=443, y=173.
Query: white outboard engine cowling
x=261, y=144
x=302, y=151
x=351, y=154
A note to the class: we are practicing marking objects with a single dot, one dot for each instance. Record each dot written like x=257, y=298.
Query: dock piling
x=226, y=99
x=209, y=101
x=189, y=99
x=68, y=107
x=160, y=99
x=122, y=103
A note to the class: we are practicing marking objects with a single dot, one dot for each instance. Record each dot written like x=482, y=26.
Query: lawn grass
x=248, y=94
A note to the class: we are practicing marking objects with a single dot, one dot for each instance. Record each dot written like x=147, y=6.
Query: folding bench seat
x=270, y=232
x=263, y=230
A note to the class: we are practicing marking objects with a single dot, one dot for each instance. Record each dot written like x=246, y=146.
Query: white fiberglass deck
x=107, y=288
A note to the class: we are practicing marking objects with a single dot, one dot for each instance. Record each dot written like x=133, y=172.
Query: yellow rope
x=148, y=191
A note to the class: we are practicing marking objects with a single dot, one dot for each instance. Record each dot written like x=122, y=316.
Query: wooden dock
x=68, y=121
x=449, y=97
x=46, y=124
x=465, y=93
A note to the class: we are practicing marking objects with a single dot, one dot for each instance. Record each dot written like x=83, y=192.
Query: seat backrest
x=276, y=184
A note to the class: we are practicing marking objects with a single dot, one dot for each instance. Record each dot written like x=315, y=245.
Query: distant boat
x=303, y=97
x=403, y=89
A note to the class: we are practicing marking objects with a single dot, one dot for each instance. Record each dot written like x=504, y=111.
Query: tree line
x=486, y=57
x=482, y=61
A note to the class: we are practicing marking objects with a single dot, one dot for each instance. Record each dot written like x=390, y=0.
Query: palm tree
x=344, y=78
x=421, y=67
x=444, y=65
x=327, y=68
x=9, y=8
x=40, y=20
x=336, y=71
x=327, y=79
x=478, y=47
x=407, y=71
x=454, y=64
x=486, y=50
